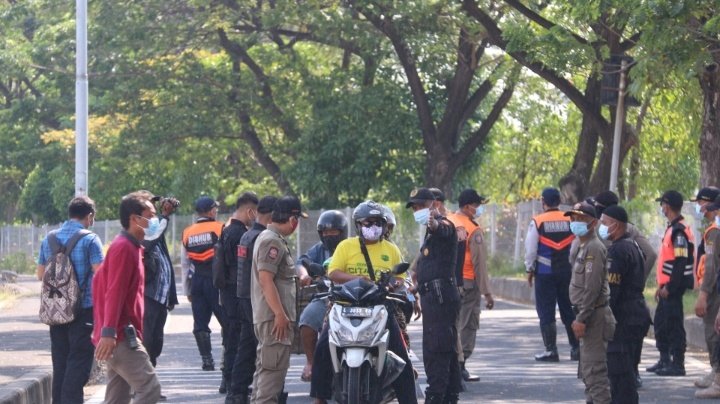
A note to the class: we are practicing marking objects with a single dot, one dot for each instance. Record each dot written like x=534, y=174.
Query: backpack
x=61, y=293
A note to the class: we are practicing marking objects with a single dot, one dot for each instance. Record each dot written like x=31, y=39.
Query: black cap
x=205, y=204
x=470, y=196
x=419, y=195
x=713, y=206
x=582, y=208
x=706, y=194
x=551, y=196
x=673, y=198
x=438, y=194
x=606, y=198
x=289, y=205
x=616, y=212
x=266, y=203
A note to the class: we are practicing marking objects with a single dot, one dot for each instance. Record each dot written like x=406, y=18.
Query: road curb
x=31, y=388
x=517, y=290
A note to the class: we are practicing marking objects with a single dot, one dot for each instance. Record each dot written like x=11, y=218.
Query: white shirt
x=531, y=245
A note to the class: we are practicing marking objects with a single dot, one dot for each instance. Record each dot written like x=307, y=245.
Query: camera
x=162, y=199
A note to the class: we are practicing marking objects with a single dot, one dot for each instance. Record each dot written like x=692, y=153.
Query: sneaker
x=574, y=354
x=705, y=381
x=711, y=392
x=671, y=370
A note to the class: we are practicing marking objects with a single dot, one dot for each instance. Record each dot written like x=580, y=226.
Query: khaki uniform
x=272, y=254
x=709, y=285
x=589, y=295
x=473, y=291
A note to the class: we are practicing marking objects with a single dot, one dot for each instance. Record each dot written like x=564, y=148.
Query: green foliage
x=17, y=262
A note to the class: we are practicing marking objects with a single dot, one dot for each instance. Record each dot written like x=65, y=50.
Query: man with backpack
x=71, y=348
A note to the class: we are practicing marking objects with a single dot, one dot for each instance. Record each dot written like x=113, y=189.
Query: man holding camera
x=160, y=291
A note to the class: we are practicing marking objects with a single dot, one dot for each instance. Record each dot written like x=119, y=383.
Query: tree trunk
x=710, y=135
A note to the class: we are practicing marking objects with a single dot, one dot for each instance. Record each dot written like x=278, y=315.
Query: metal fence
x=505, y=228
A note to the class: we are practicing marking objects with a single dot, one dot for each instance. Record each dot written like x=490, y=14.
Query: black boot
x=675, y=368
x=661, y=363
x=282, y=397
x=549, y=335
x=574, y=344
x=203, y=342
x=451, y=398
x=223, y=385
x=433, y=398
x=237, y=399
x=466, y=375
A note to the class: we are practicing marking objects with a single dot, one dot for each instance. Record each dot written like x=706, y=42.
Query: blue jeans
x=72, y=357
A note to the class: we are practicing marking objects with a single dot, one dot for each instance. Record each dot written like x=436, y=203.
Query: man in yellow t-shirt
x=348, y=263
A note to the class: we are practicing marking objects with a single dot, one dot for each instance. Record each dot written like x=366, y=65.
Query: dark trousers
x=621, y=372
x=669, y=327
x=244, y=365
x=553, y=289
x=322, y=369
x=205, y=303
x=440, y=356
x=154, y=320
x=72, y=358
x=231, y=329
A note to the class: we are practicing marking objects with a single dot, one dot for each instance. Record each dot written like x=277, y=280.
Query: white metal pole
x=81, y=99
x=619, y=122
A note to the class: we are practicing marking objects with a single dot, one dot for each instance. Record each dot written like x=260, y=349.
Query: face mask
x=479, y=211
x=331, y=242
x=422, y=216
x=153, y=227
x=717, y=220
x=661, y=211
x=603, y=232
x=295, y=224
x=372, y=233
x=579, y=228
x=698, y=210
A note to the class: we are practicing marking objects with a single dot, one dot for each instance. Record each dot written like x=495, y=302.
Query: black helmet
x=333, y=219
x=369, y=210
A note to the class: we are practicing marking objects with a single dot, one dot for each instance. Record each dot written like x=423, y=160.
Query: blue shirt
x=88, y=247
x=317, y=253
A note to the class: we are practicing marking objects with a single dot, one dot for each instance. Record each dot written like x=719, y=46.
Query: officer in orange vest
x=475, y=282
x=547, y=261
x=198, y=241
x=707, y=304
x=674, y=275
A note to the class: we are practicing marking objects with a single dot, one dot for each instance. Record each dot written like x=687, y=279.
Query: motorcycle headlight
x=366, y=336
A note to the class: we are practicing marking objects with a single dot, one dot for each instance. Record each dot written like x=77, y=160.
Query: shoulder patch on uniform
x=273, y=253
x=242, y=251
x=461, y=233
x=478, y=237
x=680, y=241
x=588, y=266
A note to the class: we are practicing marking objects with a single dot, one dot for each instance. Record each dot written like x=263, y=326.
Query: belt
x=576, y=308
x=431, y=285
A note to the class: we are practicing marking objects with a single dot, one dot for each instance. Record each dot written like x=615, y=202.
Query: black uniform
x=626, y=279
x=244, y=361
x=440, y=307
x=230, y=238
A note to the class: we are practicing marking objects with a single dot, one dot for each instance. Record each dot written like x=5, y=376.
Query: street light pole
x=619, y=123
x=81, y=99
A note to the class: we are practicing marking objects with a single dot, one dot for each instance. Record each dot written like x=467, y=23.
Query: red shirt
x=118, y=289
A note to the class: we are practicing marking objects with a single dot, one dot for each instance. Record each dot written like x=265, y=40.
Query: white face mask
x=372, y=233
x=698, y=210
x=717, y=220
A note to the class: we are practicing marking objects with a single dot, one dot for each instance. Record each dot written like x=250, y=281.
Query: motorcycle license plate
x=356, y=312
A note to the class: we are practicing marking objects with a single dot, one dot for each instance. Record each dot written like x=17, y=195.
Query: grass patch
x=502, y=267
x=6, y=298
x=18, y=262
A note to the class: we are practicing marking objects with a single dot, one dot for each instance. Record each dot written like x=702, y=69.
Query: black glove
x=314, y=269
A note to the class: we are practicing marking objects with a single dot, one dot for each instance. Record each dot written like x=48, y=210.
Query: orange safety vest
x=554, y=243
x=700, y=267
x=199, y=240
x=667, y=255
x=461, y=220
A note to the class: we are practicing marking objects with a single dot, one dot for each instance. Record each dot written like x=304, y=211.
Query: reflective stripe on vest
x=554, y=239
x=701, y=260
x=666, y=257
x=461, y=220
x=200, y=238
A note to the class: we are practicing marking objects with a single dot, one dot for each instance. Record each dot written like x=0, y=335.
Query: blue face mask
x=717, y=220
x=479, y=210
x=603, y=232
x=698, y=210
x=153, y=227
x=579, y=228
x=422, y=216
